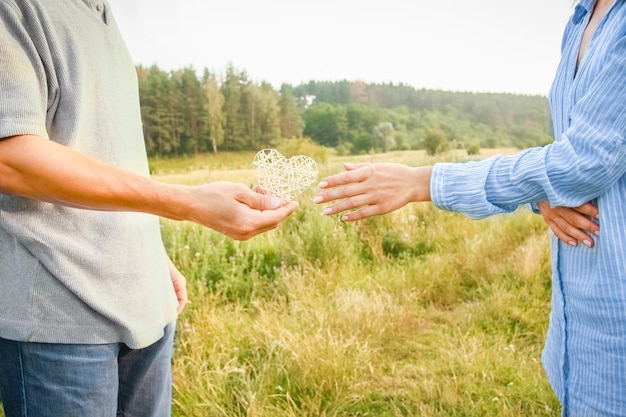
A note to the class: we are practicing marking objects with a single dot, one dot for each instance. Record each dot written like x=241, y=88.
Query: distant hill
x=185, y=112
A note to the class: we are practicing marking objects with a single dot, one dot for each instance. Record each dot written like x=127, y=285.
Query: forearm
x=43, y=170
x=462, y=188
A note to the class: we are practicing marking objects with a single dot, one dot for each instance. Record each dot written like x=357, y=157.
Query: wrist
x=420, y=186
x=174, y=202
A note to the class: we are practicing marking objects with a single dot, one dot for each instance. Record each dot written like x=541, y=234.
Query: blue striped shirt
x=585, y=352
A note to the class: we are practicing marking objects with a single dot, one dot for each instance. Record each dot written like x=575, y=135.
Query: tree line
x=187, y=112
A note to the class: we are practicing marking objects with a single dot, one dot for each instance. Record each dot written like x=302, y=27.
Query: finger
x=362, y=213
x=588, y=209
x=264, y=221
x=286, y=209
x=569, y=231
x=559, y=233
x=343, y=178
x=258, y=189
x=271, y=217
x=180, y=288
x=267, y=202
x=259, y=201
x=582, y=222
x=339, y=193
x=580, y=236
x=350, y=203
x=182, y=300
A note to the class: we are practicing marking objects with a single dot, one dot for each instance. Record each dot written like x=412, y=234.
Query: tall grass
x=419, y=312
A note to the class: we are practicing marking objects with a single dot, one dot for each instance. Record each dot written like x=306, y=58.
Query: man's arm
x=36, y=168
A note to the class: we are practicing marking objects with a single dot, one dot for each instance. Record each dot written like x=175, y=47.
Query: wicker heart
x=281, y=177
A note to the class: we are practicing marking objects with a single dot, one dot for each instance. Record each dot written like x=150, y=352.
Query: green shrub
x=303, y=146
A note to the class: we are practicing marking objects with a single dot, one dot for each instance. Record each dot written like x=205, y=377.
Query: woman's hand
x=572, y=225
x=372, y=189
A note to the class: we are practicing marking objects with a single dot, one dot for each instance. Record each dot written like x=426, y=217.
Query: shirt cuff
x=460, y=187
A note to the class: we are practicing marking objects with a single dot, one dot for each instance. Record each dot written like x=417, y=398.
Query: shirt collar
x=583, y=7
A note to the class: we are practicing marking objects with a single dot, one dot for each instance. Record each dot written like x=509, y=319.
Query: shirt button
x=99, y=7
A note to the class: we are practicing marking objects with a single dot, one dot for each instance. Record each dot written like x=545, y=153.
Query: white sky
x=462, y=45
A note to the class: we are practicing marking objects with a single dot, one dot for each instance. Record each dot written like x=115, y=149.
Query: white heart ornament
x=285, y=178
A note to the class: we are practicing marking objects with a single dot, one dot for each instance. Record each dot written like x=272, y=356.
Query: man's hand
x=180, y=285
x=571, y=225
x=40, y=169
x=237, y=211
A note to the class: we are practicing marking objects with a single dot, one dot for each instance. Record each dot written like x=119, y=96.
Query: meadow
x=416, y=313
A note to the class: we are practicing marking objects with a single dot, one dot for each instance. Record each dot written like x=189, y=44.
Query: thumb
x=262, y=202
x=270, y=203
x=256, y=199
x=266, y=202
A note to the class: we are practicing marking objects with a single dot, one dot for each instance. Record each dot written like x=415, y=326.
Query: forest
x=187, y=112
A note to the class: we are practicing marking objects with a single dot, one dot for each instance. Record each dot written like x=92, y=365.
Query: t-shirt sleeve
x=23, y=80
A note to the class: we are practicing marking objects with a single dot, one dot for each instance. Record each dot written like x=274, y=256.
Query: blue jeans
x=57, y=380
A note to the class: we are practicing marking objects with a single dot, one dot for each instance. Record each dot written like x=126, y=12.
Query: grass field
x=416, y=313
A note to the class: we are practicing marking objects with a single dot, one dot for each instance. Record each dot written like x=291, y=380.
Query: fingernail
x=344, y=218
x=587, y=243
x=348, y=165
x=318, y=199
x=572, y=243
x=327, y=210
x=322, y=184
x=597, y=233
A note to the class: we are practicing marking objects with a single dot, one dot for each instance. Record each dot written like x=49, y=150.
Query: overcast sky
x=461, y=45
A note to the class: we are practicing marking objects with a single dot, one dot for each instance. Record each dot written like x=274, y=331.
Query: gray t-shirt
x=69, y=275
